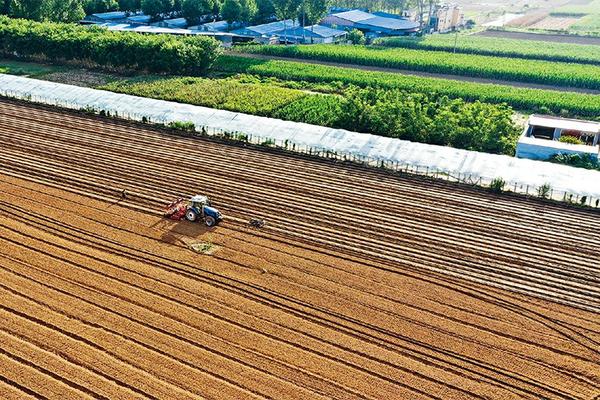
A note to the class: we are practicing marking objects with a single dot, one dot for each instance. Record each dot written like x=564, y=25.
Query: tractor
x=196, y=208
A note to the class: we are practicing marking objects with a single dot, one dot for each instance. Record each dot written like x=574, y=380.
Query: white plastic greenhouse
x=521, y=172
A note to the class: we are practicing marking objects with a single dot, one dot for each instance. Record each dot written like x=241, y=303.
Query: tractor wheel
x=191, y=215
x=210, y=221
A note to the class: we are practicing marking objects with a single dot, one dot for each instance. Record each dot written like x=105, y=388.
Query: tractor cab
x=197, y=207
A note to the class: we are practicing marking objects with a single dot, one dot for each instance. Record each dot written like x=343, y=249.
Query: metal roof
x=146, y=29
x=315, y=31
x=111, y=15
x=199, y=198
x=390, y=23
x=359, y=17
x=170, y=31
x=354, y=15
x=212, y=26
x=564, y=123
x=140, y=18
x=176, y=21
x=267, y=29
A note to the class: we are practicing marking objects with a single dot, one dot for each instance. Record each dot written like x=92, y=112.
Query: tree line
x=195, y=11
x=101, y=48
x=308, y=12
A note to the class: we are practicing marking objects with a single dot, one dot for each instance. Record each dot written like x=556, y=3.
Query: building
x=139, y=19
x=541, y=138
x=174, y=23
x=101, y=18
x=267, y=30
x=373, y=25
x=446, y=18
x=312, y=34
x=217, y=26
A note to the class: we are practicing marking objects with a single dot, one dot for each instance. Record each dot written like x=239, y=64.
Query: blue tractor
x=195, y=209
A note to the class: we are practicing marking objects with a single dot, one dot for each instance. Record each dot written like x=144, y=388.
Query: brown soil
x=99, y=300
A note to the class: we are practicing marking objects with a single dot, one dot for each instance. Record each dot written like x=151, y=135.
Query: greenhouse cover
x=516, y=171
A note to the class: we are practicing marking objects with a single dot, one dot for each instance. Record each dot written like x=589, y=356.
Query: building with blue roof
x=101, y=18
x=380, y=24
x=266, y=30
x=173, y=23
x=313, y=34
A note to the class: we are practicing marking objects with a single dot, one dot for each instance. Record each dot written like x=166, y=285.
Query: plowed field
x=362, y=285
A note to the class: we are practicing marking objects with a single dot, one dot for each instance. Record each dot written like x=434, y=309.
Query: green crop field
x=472, y=44
x=392, y=112
x=536, y=100
x=590, y=17
x=592, y=7
x=513, y=69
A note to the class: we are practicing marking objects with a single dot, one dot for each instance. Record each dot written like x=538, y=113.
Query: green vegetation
x=570, y=140
x=497, y=185
x=394, y=113
x=592, y=7
x=544, y=191
x=105, y=49
x=226, y=94
x=577, y=160
x=186, y=126
x=32, y=70
x=44, y=10
x=534, y=71
x=356, y=37
x=590, y=13
x=472, y=44
x=589, y=24
x=543, y=101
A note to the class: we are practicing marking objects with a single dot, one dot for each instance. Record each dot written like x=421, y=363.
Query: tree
x=29, y=9
x=130, y=5
x=155, y=8
x=249, y=10
x=265, y=11
x=311, y=12
x=5, y=7
x=64, y=11
x=193, y=10
x=284, y=10
x=231, y=11
x=422, y=6
x=100, y=6
x=356, y=37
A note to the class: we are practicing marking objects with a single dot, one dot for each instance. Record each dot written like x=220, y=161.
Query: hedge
x=106, y=49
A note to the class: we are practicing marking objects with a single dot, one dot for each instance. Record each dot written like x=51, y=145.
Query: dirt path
x=425, y=74
x=100, y=301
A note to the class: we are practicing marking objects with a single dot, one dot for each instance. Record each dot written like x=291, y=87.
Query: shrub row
x=393, y=113
x=512, y=69
x=536, y=100
x=102, y=48
x=576, y=160
x=502, y=47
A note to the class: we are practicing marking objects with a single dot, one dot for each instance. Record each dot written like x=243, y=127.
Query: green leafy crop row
x=512, y=69
x=503, y=47
x=567, y=103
